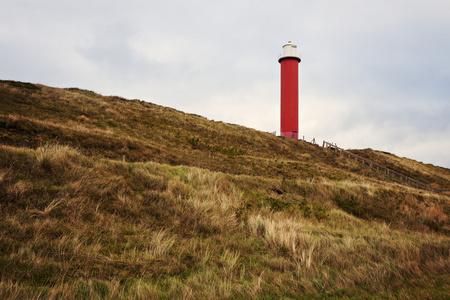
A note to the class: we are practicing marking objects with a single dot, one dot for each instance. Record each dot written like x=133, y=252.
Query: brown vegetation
x=201, y=209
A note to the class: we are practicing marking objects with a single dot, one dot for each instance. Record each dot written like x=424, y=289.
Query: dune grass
x=81, y=227
x=201, y=209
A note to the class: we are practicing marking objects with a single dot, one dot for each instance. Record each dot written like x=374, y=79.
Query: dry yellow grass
x=185, y=226
x=282, y=219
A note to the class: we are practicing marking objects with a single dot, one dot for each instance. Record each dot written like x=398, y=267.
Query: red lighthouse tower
x=289, y=61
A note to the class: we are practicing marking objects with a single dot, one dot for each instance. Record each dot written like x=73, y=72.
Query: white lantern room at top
x=289, y=50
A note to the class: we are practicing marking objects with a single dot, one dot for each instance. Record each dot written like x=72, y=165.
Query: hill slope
x=201, y=209
x=111, y=127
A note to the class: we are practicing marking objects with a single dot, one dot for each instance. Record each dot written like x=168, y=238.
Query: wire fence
x=382, y=169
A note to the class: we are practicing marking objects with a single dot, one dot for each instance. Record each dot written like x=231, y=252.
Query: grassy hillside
x=111, y=127
x=201, y=209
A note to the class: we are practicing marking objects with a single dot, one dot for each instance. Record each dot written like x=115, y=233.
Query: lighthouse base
x=290, y=134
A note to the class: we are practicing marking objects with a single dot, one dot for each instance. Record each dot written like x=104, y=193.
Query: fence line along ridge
x=382, y=169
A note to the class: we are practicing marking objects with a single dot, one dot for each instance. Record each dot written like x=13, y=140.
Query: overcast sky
x=374, y=74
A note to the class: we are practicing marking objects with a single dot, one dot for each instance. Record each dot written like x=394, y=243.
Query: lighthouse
x=289, y=61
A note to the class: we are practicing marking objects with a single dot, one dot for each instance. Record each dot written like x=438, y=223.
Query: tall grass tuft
x=50, y=154
x=18, y=191
x=161, y=244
